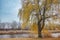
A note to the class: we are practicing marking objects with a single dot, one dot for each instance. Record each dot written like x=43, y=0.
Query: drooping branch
x=50, y=16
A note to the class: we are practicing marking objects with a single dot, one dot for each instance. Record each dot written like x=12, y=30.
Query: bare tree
x=14, y=25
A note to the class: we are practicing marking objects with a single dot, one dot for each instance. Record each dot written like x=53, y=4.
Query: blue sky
x=9, y=10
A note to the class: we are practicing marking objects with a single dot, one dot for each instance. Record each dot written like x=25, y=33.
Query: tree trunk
x=39, y=29
x=40, y=26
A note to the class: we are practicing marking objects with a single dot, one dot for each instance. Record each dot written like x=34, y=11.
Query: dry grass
x=29, y=38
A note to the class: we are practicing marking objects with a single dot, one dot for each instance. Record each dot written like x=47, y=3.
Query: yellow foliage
x=45, y=31
x=48, y=5
x=34, y=27
x=55, y=1
x=26, y=12
x=24, y=25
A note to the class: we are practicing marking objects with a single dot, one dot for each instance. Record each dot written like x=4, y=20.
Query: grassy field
x=29, y=38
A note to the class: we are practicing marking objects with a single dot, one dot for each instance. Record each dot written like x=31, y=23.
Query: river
x=14, y=36
x=25, y=35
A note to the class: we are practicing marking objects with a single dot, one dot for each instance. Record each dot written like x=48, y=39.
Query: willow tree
x=33, y=14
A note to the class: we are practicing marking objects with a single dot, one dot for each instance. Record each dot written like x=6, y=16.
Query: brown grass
x=29, y=38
